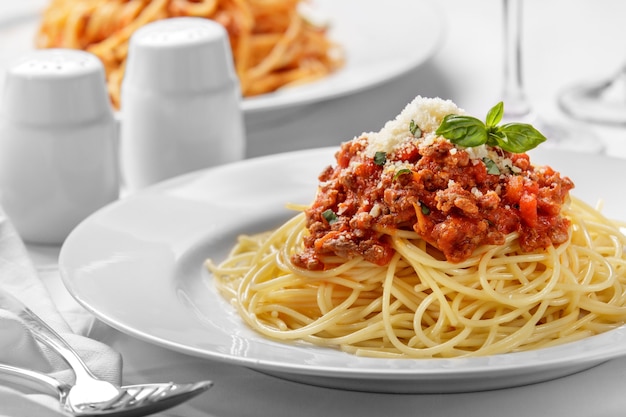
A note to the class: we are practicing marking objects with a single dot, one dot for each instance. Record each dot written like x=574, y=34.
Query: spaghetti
x=273, y=44
x=522, y=288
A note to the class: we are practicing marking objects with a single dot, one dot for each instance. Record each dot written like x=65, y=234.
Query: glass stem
x=514, y=97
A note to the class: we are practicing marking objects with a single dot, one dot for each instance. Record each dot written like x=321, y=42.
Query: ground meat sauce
x=438, y=191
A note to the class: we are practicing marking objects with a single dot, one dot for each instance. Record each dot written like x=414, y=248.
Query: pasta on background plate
x=435, y=237
x=273, y=43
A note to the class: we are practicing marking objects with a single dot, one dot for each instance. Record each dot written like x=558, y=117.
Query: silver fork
x=133, y=401
x=89, y=393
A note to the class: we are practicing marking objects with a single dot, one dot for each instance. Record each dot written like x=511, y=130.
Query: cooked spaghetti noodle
x=273, y=43
x=418, y=302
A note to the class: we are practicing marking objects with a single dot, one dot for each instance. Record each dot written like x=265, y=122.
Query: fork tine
x=145, y=395
x=181, y=392
x=104, y=405
x=159, y=397
x=169, y=393
x=162, y=390
x=134, y=396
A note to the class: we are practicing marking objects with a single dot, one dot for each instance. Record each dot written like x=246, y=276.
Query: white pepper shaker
x=58, y=143
x=180, y=101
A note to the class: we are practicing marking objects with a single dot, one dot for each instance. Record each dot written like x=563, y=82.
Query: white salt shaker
x=180, y=101
x=58, y=150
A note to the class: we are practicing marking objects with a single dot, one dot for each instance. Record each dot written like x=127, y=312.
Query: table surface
x=564, y=42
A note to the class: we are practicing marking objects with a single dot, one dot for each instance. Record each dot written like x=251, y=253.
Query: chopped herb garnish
x=415, y=129
x=492, y=168
x=425, y=209
x=401, y=172
x=468, y=131
x=330, y=216
x=380, y=158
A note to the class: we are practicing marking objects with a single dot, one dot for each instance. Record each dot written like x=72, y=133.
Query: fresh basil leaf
x=330, y=216
x=492, y=167
x=401, y=172
x=495, y=137
x=463, y=130
x=520, y=137
x=494, y=116
x=380, y=158
x=415, y=129
x=469, y=132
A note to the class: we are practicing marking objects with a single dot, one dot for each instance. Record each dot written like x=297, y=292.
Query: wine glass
x=602, y=101
x=517, y=107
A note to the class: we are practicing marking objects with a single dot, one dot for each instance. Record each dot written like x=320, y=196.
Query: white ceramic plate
x=138, y=265
x=382, y=40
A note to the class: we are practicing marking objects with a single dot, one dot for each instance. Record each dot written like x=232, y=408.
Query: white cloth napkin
x=18, y=347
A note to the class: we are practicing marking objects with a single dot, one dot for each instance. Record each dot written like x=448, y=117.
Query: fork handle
x=44, y=333
x=33, y=380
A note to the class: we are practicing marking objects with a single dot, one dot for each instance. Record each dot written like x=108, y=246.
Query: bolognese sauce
x=452, y=198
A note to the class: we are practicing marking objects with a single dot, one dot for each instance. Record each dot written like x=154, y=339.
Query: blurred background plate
x=382, y=41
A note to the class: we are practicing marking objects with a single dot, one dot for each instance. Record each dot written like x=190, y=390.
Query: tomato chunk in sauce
x=455, y=202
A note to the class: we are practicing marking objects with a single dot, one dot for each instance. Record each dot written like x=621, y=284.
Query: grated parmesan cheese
x=478, y=152
x=427, y=113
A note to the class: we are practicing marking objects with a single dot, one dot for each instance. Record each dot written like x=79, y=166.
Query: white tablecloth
x=564, y=41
